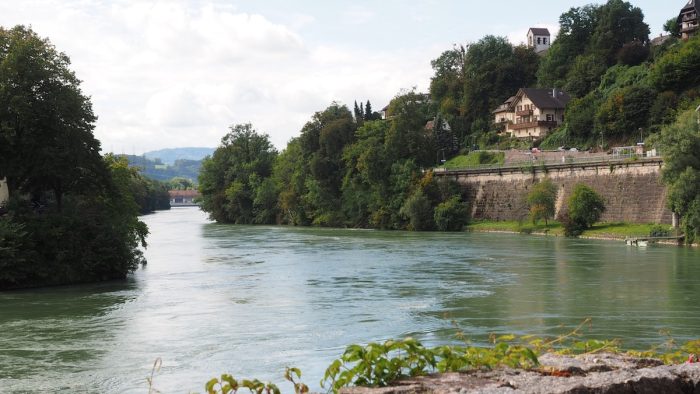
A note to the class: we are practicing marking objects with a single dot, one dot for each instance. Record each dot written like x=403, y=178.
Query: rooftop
x=545, y=99
x=540, y=31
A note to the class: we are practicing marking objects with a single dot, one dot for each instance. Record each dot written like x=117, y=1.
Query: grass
x=554, y=228
x=475, y=159
x=599, y=230
x=619, y=230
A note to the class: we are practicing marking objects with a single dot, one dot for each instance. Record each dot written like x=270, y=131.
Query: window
x=550, y=118
x=539, y=40
x=544, y=41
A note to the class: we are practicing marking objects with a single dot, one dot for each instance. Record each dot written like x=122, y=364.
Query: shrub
x=419, y=212
x=542, y=201
x=585, y=208
x=451, y=215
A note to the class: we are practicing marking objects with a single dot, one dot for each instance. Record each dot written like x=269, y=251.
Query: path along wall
x=633, y=191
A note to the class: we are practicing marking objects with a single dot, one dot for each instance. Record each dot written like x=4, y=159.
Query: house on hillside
x=183, y=198
x=688, y=20
x=539, y=39
x=532, y=113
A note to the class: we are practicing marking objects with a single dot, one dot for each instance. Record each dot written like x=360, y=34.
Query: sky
x=178, y=73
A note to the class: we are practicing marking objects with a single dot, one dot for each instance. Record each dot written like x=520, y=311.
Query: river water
x=251, y=300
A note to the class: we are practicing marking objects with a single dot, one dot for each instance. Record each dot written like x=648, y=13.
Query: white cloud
x=359, y=15
x=178, y=73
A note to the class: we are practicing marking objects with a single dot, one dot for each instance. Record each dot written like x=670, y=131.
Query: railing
x=537, y=123
x=524, y=112
x=534, y=162
x=689, y=28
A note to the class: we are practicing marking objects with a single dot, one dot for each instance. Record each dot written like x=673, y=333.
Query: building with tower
x=539, y=39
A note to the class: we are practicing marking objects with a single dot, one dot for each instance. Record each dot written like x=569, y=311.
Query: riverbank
x=602, y=231
x=589, y=373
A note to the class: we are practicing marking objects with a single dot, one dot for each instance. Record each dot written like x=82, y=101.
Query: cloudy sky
x=176, y=73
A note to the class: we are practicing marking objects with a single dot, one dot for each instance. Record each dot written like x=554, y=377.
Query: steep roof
x=544, y=98
x=506, y=106
x=539, y=31
x=691, y=6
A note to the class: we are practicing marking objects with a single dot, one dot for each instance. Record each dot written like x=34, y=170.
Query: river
x=251, y=300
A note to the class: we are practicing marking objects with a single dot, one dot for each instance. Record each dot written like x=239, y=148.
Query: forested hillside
x=349, y=169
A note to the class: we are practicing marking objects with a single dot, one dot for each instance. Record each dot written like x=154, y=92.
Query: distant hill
x=159, y=170
x=170, y=156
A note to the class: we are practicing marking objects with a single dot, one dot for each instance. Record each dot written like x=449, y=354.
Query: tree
x=470, y=81
x=72, y=215
x=676, y=70
x=585, y=209
x=680, y=144
x=626, y=110
x=672, y=27
x=576, y=28
x=231, y=179
x=46, y=123
x=451, y=215
x=584, y=75
x=618, y=22
x=542, y=201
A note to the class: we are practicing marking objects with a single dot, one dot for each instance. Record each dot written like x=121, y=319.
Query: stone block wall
x=633, y=192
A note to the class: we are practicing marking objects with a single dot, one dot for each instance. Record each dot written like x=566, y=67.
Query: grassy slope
x=599, y=230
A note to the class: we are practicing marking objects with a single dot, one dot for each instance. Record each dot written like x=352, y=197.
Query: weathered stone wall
x=633, y=191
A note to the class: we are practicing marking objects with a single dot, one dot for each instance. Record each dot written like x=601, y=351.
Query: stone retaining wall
x=633, y=191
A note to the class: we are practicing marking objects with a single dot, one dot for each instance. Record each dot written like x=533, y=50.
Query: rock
x=594, y=374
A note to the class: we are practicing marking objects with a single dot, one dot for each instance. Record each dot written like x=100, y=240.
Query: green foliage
x=380, y=364
x=542, y=201
x=584, y=75
x=680, y=144
x=227, y=384
x=676, y=70
x=475, y=159
x=470, y=81
x=672, y=27
x=585, y=207
x=626, y=110
x=231, y=180
x=160, y=171
x=72, y=216
x=660, y=231
x=451, y=215
x=419, y=212
x=46, y=123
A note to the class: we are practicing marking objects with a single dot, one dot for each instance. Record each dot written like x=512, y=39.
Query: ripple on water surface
x=253, y=300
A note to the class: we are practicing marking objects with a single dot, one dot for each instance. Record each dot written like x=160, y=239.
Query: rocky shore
x=593, y=373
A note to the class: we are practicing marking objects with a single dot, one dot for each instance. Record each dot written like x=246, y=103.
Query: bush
x=585, y=208
x=451, y=215
x=542, y=201
x=419, y=212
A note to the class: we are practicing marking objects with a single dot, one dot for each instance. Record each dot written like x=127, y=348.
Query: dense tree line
x=354, y=169
x=72, y=214
x=342, y=170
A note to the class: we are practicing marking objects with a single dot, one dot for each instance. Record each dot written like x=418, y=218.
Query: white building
x=532, y=113
x=539, y=39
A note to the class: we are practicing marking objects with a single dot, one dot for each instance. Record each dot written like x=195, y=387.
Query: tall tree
x=233, y=181
x=46, y=123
